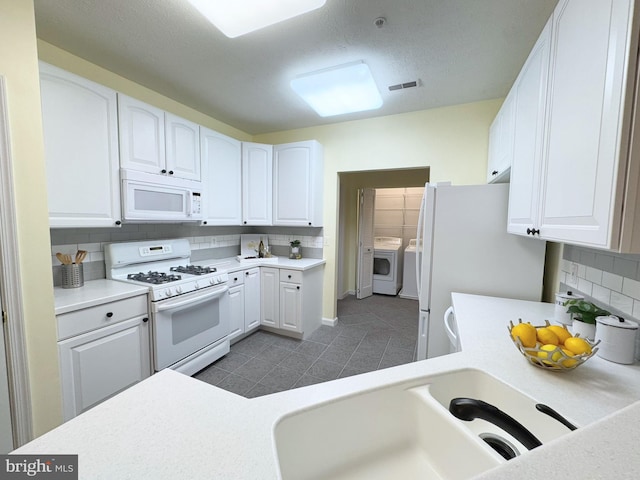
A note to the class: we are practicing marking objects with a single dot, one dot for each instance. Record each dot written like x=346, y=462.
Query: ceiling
x=459, y=51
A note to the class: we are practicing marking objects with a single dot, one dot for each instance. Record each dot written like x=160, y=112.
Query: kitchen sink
x=480, y=385
x=403, y=431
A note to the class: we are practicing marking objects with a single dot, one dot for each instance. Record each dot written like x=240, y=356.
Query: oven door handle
x=189, y=302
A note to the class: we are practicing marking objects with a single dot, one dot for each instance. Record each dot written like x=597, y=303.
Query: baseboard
x=330, y=322
x=346, y=294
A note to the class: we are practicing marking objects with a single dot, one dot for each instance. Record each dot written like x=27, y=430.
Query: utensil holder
x=72, y=275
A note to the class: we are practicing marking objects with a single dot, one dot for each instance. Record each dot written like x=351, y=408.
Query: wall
x=18, y=64
x=451, y=141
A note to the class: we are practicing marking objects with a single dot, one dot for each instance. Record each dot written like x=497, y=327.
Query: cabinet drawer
x=87, y=319
x=294, y=276
x=236, y=278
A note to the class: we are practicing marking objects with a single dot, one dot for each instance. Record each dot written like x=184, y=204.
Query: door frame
x=10, y=291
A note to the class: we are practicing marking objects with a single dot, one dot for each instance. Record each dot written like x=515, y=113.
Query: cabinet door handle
x=533, y=231
x=170, y=172
x=145, y=319
x=118, y=222
x=109, y=314
x=235, y=279
x=289, y=276
x=164, y=170
x=245, y=222
x=246, y=273
x=495, y=172
x=298, y=287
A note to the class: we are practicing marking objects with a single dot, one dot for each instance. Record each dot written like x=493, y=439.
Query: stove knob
x=168, y=292
x=196, y=286
x=212, y=281
x=178, y=290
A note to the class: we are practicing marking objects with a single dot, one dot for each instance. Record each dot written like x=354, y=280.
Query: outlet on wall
x=573, y=274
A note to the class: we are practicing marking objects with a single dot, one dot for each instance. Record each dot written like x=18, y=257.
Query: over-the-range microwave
x=147, y=197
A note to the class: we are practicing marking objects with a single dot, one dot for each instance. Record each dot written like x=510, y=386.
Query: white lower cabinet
x=103, y=350
x=251, y=299
x=244, y=301
x=291, y=300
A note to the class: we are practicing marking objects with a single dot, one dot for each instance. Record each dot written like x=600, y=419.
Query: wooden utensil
x=80, y=256
x=67, y=259
x=62, y=258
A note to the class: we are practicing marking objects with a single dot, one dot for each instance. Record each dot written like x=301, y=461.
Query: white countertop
x=172, y=426
x=231, y=264
x=92, y=293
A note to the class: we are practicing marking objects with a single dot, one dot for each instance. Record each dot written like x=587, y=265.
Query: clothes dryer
x=387, y=265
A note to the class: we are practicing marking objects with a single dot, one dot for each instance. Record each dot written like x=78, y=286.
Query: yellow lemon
x=547, y=337
x=546, y=354
x=568, y=362
x=526, y=332
x=561, y=332
x=577, y=345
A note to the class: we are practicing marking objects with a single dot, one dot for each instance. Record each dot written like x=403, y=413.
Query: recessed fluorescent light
x=237, y=17
x=338, y=90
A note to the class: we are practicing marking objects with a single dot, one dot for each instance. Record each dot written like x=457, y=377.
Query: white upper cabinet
x=297, y=184
x=141, y=128
x=257, y=170
x=155, y=141
x=182, y=139
x=222, y=177
x=529, y=93
x=501, y=142
x=589, y=171
x=81, y=150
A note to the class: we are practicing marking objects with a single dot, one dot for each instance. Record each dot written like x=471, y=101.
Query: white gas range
x=188, y=304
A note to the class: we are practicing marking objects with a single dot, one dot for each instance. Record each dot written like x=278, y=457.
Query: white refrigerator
x=466, y=248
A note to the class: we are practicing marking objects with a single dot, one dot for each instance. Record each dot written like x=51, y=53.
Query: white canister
x=560, y=314
x=617, y=338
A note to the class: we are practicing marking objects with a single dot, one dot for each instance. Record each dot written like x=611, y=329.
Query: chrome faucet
x=469, y=409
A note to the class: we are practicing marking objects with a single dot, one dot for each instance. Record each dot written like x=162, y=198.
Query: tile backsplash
x=610, y=280
x=206, y=242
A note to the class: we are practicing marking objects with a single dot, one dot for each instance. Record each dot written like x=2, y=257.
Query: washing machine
x=409, y=282
x=387, y=265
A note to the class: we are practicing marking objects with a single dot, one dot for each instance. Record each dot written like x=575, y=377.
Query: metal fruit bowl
x=562, y=362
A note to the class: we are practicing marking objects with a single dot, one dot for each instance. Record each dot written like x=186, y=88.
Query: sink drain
x=504, y=447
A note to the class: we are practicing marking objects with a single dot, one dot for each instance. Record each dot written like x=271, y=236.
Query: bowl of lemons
x=551, y=347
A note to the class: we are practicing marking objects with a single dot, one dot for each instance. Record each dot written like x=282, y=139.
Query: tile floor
x=373, y=333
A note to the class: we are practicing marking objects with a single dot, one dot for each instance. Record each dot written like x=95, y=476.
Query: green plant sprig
x=585, y=311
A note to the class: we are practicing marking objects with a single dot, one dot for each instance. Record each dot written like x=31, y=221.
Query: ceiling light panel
x=237, y=17
x=338, y=90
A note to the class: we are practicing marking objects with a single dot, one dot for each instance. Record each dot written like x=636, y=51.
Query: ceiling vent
x=402, y=86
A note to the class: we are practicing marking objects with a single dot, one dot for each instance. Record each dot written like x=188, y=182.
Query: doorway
x=350, y=185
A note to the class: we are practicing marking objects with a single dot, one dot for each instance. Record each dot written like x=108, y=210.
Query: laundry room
x=395, y=220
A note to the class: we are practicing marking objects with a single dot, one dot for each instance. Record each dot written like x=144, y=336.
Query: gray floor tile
x=287, y=342
x=212, y=375
x=367, y=349
x=312, y=349
x=259, y=390
x=396, y=356
x=306, y=380
x=354, y=331
x=273, y=354
x=254, y=369
x=231, y=361
x=337, y=355
x=363, y=363
x=236, y=384
x=324, y=334
x=345, y=343
x=355, y=319
x=325, y=370
x=281, y=377
x=402, y=341
x=298, y=362
x=250, y=346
